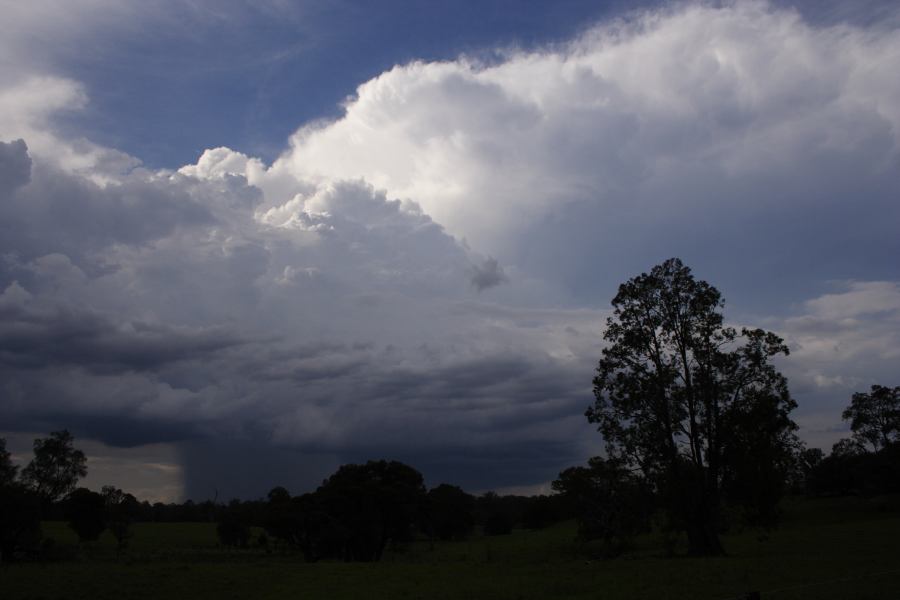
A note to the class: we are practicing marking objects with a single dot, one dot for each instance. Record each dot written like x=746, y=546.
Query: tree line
x=355, y=515
x=694, y=414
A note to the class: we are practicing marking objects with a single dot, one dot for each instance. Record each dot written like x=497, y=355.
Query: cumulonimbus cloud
x=347, y=296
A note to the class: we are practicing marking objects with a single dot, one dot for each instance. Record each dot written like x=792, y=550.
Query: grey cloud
x=318, y=309
x=15, y=167
x=488, y=274
x=61, y=212
x=35, y=338
x=132, y=338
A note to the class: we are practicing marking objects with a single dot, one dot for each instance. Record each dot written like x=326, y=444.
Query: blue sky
x=243, y=76
x=335, y=231
x=198, y=76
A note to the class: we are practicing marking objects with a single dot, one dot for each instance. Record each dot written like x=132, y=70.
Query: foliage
x=56, y=467
x=303, y=523
x=850, y=470
x=7, y=469
x=703, y=416
x=806, y=462
x=323, y=534
x=835, y=546
x=449, y=512
x=612, y=504
x=121, y=511
x=875, y=416
x=868, y=463
x=233, y=528
x=544, y=511
x=376, y=503
x=498, y=523
x=85, y=512
x=20, y=520
x=283, y=518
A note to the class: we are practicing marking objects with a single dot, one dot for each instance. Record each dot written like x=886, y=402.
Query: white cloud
x=345, y=299
x=621, y=119
x=843, y=342
x=860, y=298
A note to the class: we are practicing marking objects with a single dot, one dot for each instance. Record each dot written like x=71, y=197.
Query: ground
x=825, y=549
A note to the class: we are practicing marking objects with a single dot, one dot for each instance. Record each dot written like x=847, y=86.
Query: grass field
x=825, y=549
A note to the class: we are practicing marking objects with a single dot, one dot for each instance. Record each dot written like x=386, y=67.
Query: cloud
x=324, y=317
x=841, y=342
x=344, y=302
x=15, y=166
x=487, y=275
x=699, y=131
x=859, y=298
x=38, y=337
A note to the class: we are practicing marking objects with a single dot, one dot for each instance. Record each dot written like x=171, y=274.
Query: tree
x=680, y=398
x=612, y=504
x=376, y=503
x=20, y=525
x=875, y=416
x=449, y=512
x=85, y=511
x=805, y=465
x=543, y=511
x=283, y=518
x=7, y=469
x=20, y=520
x=233, y=527
x=121, y=510
x=56, y=467
x=319, y=531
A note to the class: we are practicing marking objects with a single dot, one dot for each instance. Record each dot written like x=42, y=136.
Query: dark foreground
x=825, y=549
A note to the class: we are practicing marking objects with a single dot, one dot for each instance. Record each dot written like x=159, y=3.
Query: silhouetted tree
x=322, y=532
x=449, y=512
x=875, y=416
x=233, y=527
x=121, y=511
x=20, y=520
x=543, y=511
x=498, y=523
x=868, y=462
x=680, y=399
x=56, y=467
x=8, y=470
x=284, y=518
x=20, y=525
x=375, y=503
x=806, y=462
x=278, y=495
x=85, y=512
x=612, y=504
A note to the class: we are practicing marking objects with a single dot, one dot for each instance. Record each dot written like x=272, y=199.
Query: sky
x=244, y=243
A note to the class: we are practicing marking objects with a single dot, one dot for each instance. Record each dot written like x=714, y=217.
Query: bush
x=85, y=512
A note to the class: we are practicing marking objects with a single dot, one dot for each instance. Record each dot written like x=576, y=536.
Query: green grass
x=826, y=549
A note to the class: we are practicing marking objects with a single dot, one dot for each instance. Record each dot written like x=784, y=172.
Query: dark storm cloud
x=35, y=338
x=126, y=330
x=487, y=275
x=15, y=167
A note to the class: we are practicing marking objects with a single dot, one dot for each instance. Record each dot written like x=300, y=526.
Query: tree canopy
x=85, y=511
x=875, y=416
x=56, y=467
x=692, y=404
x=7, y=469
